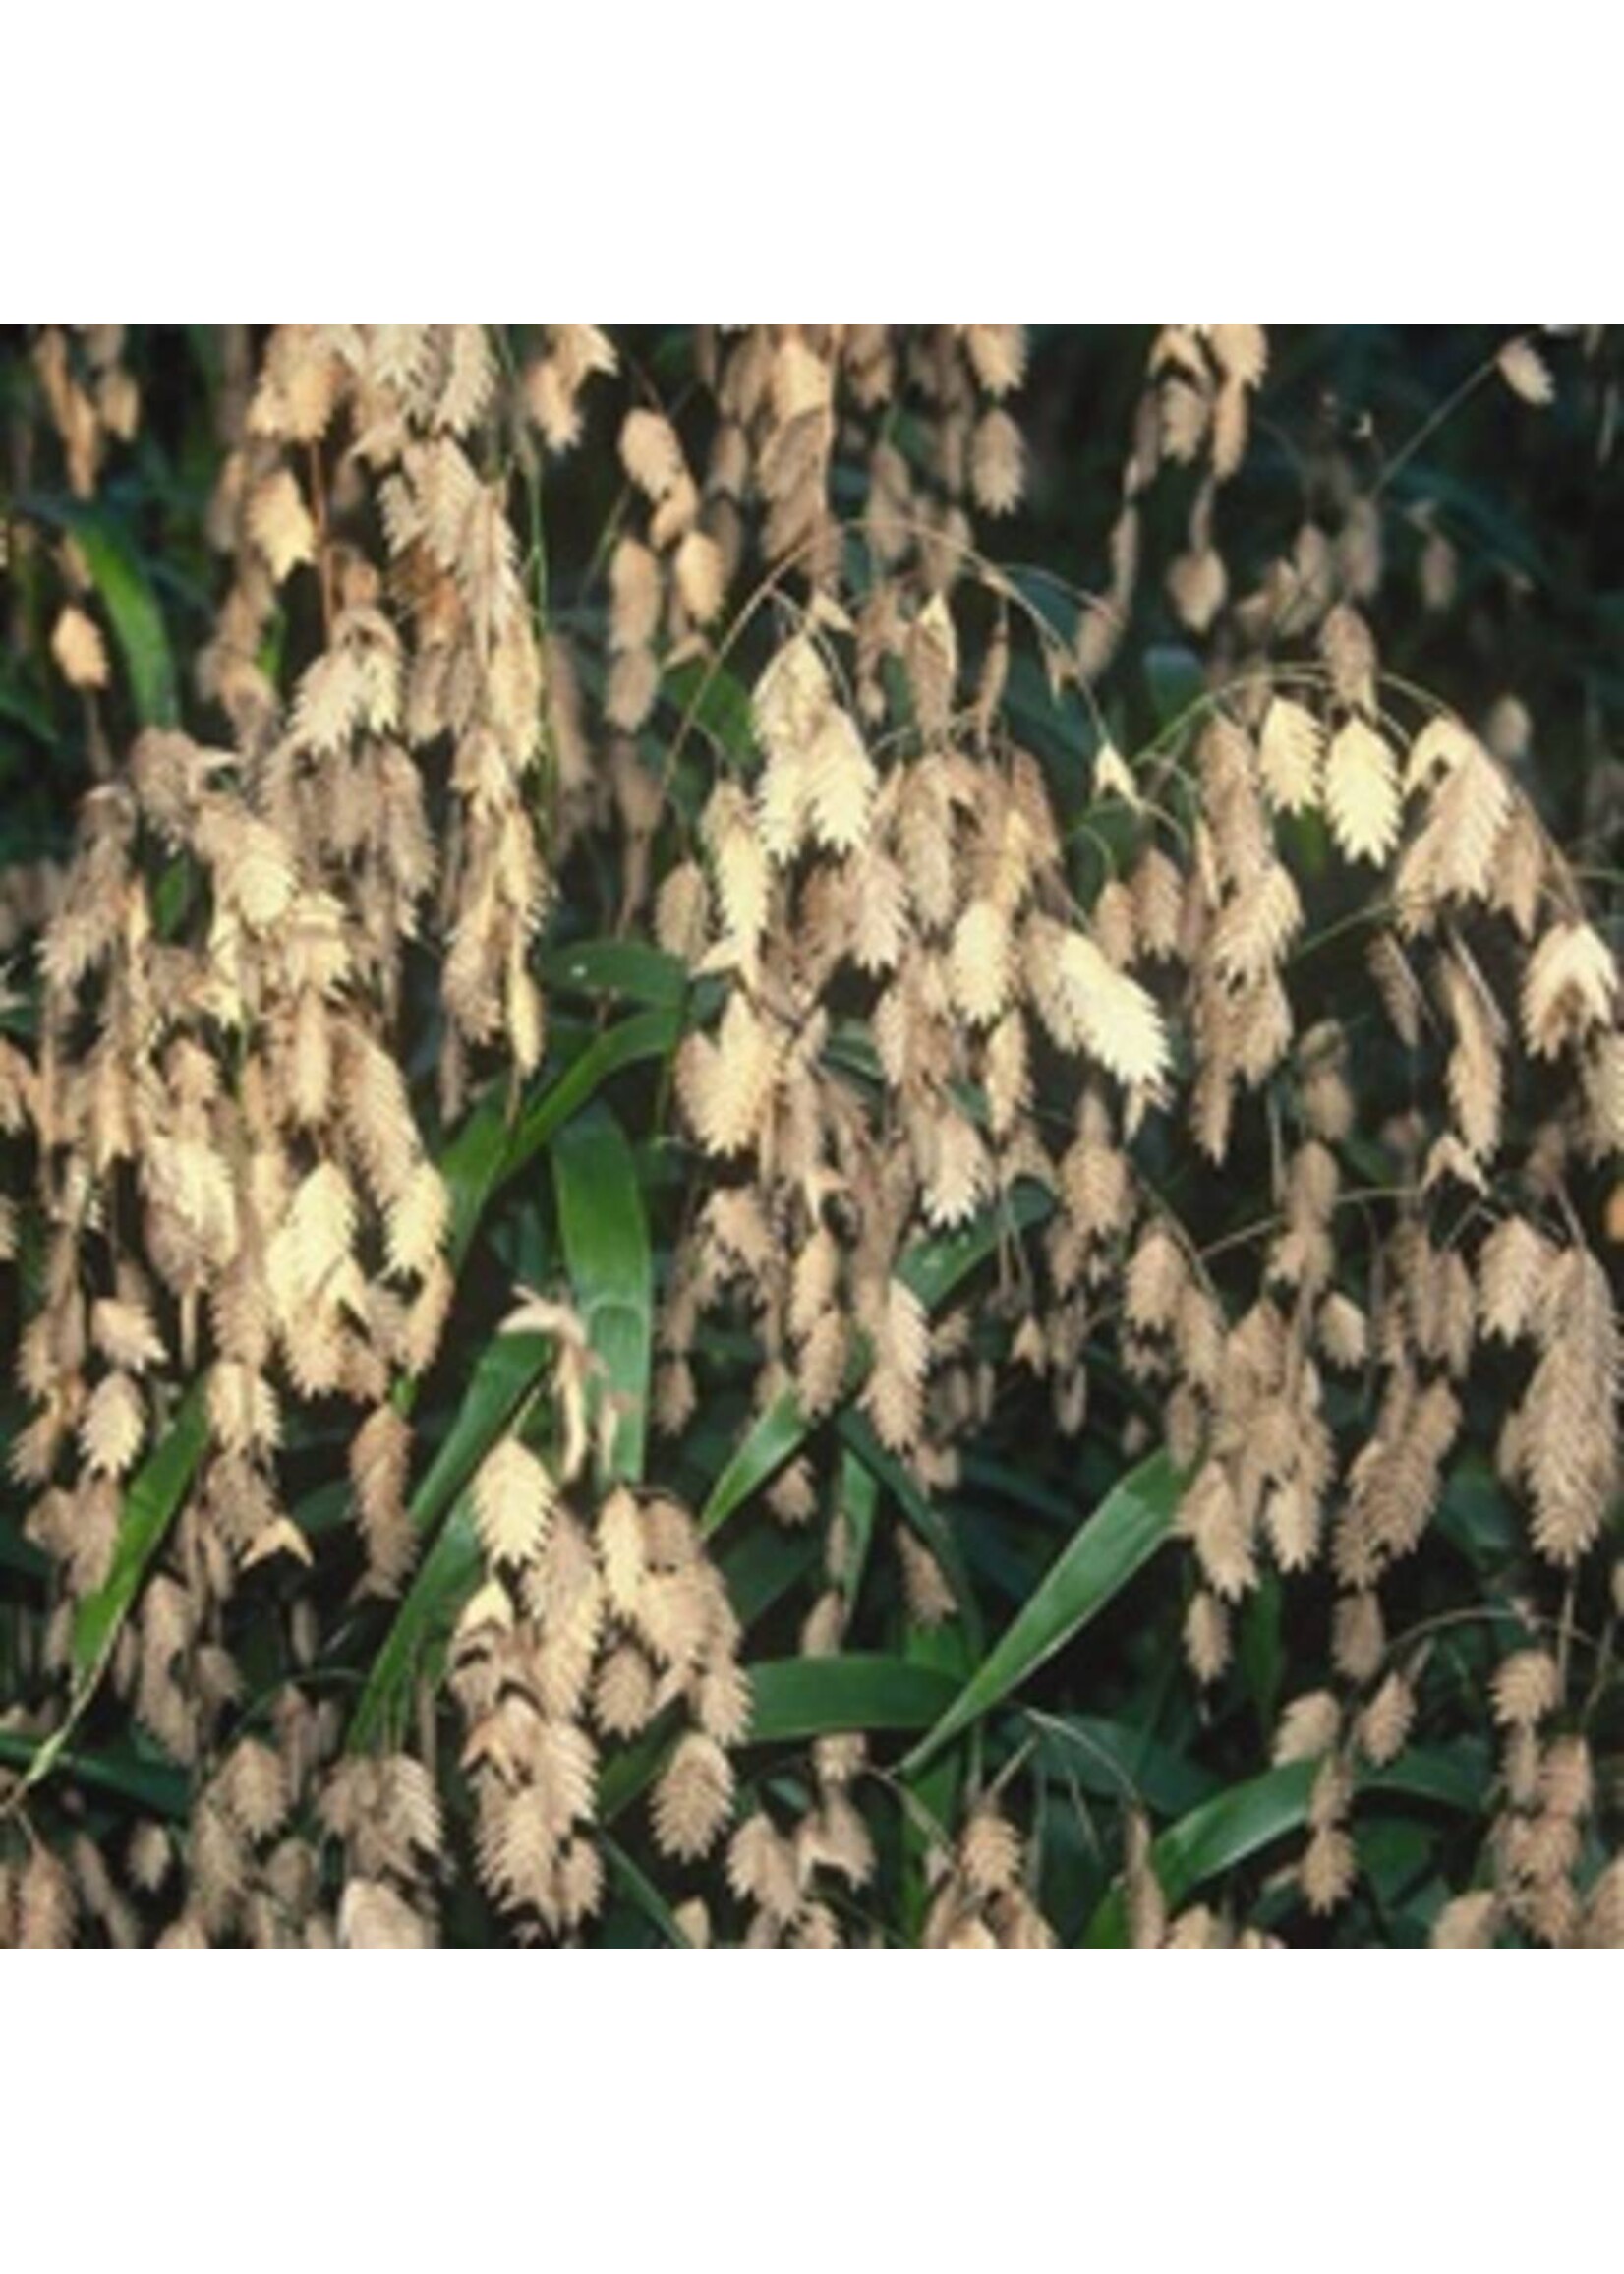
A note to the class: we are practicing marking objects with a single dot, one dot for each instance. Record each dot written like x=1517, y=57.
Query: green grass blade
x=934, y=1267
x=720, y=704
x=505, y=1374
x=642, y=1894
x=1103, y=1555
x=1248, y=1818
x=801, y=1698
x=792, y=1701
x=154, y=1786
x=442, y=1584
x=634, y=968
x=508, y=1370
x=773, y=1439
x=762, y=1566
x=154, y=1494
x=921, y=1512
x=487, y=1152
x=1119, y=1763
x=860, y=1499
x=604, y=1229
x=135, y=618
x=646, y=1034
x=472, y=1165
x=632, y=1769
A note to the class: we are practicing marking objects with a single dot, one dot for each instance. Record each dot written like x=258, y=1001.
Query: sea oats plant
x=730, y=1219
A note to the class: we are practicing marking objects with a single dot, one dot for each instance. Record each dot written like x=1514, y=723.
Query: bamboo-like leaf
x=505, y=1374
x=935, y=1790
x=932, y=1268
x=982, y=1472
x=506, y=1370
x=803, y=1698
x=719, y=705
x=859, y=1495
x=486, y=1152
x=634, y=968
x=1116, y=1542
x=1221, y=1833
x=1109, y=1757
x=792, y=1701
x=632, y=1770
x=442, y=1584
x=153, y=1786
x=921, y=1512
x=642, y=1894
x=472, y=1166
x=126, y=592
x=647, y=1034
x=154, y=1494
x=1247, y=1818
x=606, y=1235
x=773, y=1439
x=329, y=1508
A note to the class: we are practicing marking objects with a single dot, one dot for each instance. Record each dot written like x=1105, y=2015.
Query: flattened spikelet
x=1383, y=1726
x=114, y=1427
x=46, y=1906
x=253, y=1785
x=989, y=1851
x=624, y=1694
x=895, y=1391
x=998, y=463
x=1467, y=1922
x=418, y=1220
x=930, y=1599
x=694, y=1799
x=622, y=1552
x=1349, y=656
x=1207, y=1645
x=1570, y=1442
x=1290, y=756
x=1513, y=1267
x=1362, y=793
x=730, y=1080
x=1571, y=986
x=1109, y=1013
x=375, y=1917
x=1398, y=986
x=762, y=1868
x=700, y=576
x=1308, y=1727
x=513, y=1503
x=280, y=524
x=840, y=781
x=1329, y=1869
x=1526, y=1688
x=997, y=355
x=740, y=863
x=79, y=650
x=652, y=455
x=1258, y=925
x=1210, y=1516
x=1525, y=372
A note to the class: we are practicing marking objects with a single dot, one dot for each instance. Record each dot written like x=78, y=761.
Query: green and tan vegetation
x=810, y=1136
